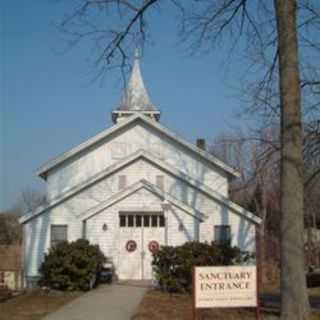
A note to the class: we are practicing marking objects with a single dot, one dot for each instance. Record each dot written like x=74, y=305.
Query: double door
x=140, y=235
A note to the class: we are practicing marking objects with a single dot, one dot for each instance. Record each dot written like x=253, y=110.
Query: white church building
x=133, y=187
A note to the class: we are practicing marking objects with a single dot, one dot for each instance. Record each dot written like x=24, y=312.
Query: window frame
x=138, y=220
x=131, y=221
x=124, y=217
x=147, y=217
x=222, y=241
x=154, y=221
x=55, y=242
x=141, y=220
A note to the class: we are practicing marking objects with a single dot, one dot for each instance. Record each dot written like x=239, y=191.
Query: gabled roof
x=142, y=184
x=42, y=171
x=142, y=154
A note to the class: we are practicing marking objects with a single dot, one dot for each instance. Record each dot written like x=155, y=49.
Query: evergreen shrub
x=173, y=265
x=71, y=266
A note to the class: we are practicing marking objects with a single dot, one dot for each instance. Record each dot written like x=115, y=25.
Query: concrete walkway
x=107, y=302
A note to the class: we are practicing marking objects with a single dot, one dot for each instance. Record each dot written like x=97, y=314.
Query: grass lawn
x=34, y=305
x=158, y=305
x=275, y=288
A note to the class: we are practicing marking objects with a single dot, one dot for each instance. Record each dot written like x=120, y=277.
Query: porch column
x=166, y=206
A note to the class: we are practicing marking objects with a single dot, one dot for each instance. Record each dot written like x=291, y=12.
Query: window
x=130, y=220
x=84, y=229
x=146, y=221
x=154, y=220
x=59, y=233
x=122, y=220
x=122, y=182
x=222, y=234
x=138, y=221
x=160, y=182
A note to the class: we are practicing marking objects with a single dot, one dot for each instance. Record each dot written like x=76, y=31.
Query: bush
x=71, y=266
x=173, y=265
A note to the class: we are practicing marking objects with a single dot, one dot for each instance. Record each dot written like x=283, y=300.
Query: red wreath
x=131, y=246
x=153, y=246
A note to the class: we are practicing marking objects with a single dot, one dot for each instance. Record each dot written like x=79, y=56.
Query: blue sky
x=49, y=103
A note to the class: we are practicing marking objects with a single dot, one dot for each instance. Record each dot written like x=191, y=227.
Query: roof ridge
x=139, y=116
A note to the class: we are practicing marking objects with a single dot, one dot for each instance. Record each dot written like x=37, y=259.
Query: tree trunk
x=294, y=299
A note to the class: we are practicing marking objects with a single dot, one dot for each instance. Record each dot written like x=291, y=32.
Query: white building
x=133, y=186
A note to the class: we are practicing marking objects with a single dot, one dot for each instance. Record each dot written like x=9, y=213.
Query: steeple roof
x=135, y=97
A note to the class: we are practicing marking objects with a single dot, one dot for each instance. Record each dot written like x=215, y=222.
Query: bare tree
x=256, y=155
x=270, y=31
x=293, y=282
x=29, y=200
x=10, y=228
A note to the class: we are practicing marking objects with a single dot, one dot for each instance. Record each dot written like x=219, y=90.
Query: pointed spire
x=136, y=54
x=136, y=98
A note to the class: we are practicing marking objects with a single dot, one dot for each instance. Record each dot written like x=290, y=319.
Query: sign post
x=225, y=287
x=258, y=266
x=194, y=308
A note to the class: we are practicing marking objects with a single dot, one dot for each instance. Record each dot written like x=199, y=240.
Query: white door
x=129, y=263
x=139, y=235
x=153, y=236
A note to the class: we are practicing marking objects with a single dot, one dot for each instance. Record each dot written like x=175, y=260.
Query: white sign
x=220, y=287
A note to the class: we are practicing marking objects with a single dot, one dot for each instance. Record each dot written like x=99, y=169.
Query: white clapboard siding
x=135, y=166
x=134, y=172
x=37, y=231
x=102, y=155
x=37, y=237
x=109, y=239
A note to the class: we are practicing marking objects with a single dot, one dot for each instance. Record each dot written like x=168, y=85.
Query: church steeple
x=135, y=99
